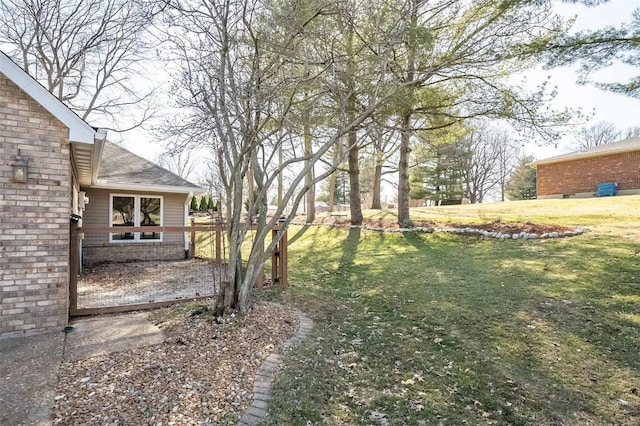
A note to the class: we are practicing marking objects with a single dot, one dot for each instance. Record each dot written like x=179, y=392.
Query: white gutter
x=581, y=155
x=186, y=220
x=148, y=188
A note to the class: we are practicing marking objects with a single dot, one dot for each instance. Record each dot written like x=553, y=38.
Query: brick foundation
x=131, y=253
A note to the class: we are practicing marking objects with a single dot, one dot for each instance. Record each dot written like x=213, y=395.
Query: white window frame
x=136, y=221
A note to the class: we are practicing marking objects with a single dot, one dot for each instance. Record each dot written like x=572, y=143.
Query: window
x=135, y=210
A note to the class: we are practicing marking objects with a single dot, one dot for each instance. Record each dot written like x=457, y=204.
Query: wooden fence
x=215, y=230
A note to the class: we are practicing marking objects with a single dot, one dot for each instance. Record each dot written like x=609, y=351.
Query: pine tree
x=204, y=203
x=522, y=183
x=441, y=177
x=194, y=204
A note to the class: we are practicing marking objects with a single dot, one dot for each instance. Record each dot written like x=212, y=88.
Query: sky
x=622, y=111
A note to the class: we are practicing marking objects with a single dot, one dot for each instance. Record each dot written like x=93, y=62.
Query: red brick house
x=51, y=162
x=577, y=174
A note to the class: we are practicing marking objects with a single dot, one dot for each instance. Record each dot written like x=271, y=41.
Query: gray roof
x=121, y=168
x=625, y=145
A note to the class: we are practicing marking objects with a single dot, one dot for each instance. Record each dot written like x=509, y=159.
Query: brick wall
x=34, y=216
x=583, y=175
x=123, y=252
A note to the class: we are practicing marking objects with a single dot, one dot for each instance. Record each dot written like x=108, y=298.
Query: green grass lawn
x=446, y=329
x=618, y=215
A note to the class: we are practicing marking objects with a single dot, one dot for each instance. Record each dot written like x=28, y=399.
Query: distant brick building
x=577, y=174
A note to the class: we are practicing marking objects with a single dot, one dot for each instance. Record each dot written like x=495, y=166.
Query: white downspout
x=186, y=221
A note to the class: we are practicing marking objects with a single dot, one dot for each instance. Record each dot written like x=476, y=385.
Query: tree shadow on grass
x=298, y=234
x=350, y=247
x=495, y=329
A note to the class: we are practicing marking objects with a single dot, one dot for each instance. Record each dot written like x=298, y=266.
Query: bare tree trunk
x=405, y=128
x=311, y=193
x=354, y=180
x=250, y=193
x=377, y=180
x=352, y=136
x=280, y=186
x=337, y=153
x=403, y=172
x=332, y=191
x=86, y=54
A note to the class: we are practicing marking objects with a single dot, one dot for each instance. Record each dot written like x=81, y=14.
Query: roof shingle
x=120, y=166
x=625, y=145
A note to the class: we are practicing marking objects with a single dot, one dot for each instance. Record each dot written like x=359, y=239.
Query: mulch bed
x=505, y=228
x=202, y=373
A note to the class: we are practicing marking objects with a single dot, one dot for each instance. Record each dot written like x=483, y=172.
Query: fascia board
x=149, y=188
x=580, y=156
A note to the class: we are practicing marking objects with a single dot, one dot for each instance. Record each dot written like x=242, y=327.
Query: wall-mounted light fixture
x=20, y=168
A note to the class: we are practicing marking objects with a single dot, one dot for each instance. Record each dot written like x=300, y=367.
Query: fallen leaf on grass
x=415, y=405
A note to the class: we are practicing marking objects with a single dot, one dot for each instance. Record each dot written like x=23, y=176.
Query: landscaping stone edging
x=467, y=230
x=515, y=236
x=263, y=383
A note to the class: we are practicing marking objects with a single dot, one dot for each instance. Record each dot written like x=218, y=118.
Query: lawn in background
x=449, y=329
x=619, y=215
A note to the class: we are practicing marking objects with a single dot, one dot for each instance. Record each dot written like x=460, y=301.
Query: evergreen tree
x=204, y=203
x=522, y=183
x=194, y=204
x=441, y=177
x=341, y=188
x=601, y=48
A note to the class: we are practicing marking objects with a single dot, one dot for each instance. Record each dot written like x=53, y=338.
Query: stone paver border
x=263, y=383
x=467, y=230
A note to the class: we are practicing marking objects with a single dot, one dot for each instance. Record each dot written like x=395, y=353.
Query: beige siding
x=34, y=217
x=97, y=248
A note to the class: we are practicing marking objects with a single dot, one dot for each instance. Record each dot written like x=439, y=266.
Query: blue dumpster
x=605, y=189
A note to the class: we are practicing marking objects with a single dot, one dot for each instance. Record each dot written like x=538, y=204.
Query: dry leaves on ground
x=202, y=373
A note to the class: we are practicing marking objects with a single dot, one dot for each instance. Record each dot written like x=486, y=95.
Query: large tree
x=442, y=178
x=489, y=155
x=250, y=67
x=182, y=162
x=246, y=65
x=471, y=161
x=385, y=147
x=464, y=52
